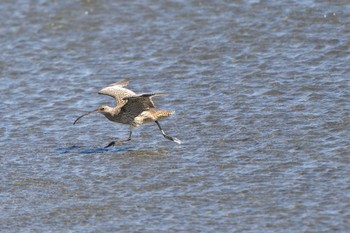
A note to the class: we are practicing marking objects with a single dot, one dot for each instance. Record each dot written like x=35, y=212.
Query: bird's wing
x=139, y=103
x=118, y=92
x=122, y=83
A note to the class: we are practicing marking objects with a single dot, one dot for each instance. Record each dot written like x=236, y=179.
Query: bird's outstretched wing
x=118, y=92
x=139, y=103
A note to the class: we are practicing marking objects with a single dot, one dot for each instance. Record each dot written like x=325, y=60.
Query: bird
x=131, y=109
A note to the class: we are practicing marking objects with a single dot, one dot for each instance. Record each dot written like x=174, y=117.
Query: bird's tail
x=161, y=114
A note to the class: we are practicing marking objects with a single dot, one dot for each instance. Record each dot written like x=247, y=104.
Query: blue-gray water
x=261, y=92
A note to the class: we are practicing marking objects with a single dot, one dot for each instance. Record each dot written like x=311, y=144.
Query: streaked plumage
x=131, y=109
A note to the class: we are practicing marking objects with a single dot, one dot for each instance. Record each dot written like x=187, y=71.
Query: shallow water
x=261, y=94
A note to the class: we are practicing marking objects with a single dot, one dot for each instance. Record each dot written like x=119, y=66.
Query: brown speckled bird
x=131, y=109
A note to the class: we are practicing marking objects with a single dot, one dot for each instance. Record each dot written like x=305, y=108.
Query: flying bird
x=131, y=109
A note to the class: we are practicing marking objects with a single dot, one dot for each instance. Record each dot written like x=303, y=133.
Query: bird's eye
x=102, y=109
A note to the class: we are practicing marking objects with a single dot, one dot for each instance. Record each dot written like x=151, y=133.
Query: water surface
x=261, y=94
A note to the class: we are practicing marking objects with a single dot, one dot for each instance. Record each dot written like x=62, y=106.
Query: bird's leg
x=167, y=136
x=130, y=133
x=114, y=142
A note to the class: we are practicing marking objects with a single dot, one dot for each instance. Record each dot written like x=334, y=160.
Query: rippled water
x=261, y=93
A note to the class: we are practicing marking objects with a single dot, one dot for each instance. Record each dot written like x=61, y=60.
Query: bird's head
x=103, y=109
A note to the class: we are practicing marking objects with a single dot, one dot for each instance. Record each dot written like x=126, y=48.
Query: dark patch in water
x=64, y=150
x=102, y=150
x=77, y=149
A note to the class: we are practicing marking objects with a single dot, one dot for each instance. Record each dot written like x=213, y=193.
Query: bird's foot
x=113, y=143
x=110, y=144
x=178, y=141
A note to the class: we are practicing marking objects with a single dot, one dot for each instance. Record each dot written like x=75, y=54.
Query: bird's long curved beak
x=96, y=110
